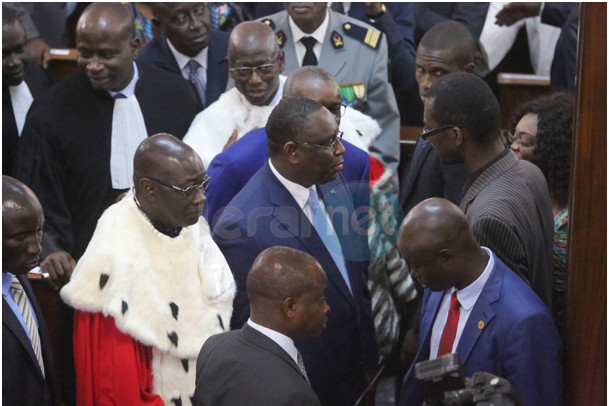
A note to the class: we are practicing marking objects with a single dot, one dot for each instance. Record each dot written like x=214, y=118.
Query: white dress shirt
x=467, y=299
x=183, y=60
x=319, y=34
x=282, y=340
x=21, y=99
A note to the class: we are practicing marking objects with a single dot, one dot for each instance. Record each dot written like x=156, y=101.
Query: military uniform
x=356, y=55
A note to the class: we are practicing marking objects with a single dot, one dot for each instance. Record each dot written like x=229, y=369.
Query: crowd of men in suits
x=295, y=176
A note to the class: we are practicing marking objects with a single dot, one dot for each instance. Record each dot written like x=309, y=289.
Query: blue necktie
x=119, y=96
x=20, y=298
x=193, y=76
x=326, y=233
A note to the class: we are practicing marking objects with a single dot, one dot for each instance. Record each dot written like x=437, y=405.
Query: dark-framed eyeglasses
x=337, y=110
x=245, y=72
x=330, y=146
x=190, y=190
x=426, y=132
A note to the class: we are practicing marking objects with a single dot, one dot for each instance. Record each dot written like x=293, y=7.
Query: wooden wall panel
x=586, y=354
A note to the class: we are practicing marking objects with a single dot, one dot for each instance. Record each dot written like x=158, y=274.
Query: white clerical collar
x=129, y=90
x=469, y=295
x=298, y=192
x=182, y=59
x=21, y=100
x=282, y=340
x=319, y=34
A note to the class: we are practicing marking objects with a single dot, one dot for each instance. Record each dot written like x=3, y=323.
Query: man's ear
x=458, y=136
x=289, y=307
x=135, y=47
x=446, y=255
x=290, y=150
x=147, y=186
x=469, y=68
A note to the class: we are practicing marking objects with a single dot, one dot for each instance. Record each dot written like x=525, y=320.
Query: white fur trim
x=148, y=271
x=359, y=129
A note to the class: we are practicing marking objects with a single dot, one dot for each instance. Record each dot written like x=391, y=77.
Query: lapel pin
x=480, y=325
x=333, y=192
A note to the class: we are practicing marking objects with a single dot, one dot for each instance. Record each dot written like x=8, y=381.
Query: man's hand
x=515, y=12
x=59, y=265
x=231, y=139
x=38, y=52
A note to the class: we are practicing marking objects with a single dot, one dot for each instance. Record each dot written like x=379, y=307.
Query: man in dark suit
x=27, y=362
x=446, y=48
x=475, y=306
x=21, y=83
x=506, y=200
x=76, y=150
x=280, y=205
x=259, y=364
x=189, y=47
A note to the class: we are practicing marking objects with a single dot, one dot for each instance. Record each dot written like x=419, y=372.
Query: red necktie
x=450, y=328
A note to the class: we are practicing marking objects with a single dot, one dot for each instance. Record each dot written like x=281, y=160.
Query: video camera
x=444, y=384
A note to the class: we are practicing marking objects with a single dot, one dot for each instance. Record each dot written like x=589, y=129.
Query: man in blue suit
x=280, y=205
x=233, y=168
x=475, y=306
x=189, y=47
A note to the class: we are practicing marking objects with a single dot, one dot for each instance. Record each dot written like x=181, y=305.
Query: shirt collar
x=7, y=279
x=282, y=340
x=469, y=295
x=279, y=93
x=182, y=59
x=319, y=34
x=298, y=192
x=129, y=90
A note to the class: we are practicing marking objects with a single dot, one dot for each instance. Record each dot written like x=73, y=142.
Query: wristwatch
x=378, y=15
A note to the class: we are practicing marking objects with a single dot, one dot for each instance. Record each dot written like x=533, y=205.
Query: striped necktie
x=301, y=366
x=26, y=310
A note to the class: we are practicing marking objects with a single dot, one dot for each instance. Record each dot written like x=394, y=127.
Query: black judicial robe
x=37, y=81
x=64, y=150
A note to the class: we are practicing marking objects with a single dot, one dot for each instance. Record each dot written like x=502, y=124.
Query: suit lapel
x=481, y=315
x=215, y=69
x=421, y=151
x=433, y=304
x=332, y=60
x=165, y=59
x=292, y=220
x=255, y=337
x=12, y=323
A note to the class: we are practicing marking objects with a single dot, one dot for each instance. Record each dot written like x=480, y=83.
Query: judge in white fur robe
x=145, y=304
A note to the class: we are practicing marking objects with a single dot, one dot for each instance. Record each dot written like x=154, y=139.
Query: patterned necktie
x=450, y=328
x=26, y=310
x=301, y=366
x=320, y=223
x=194, y=77
x=309, y=58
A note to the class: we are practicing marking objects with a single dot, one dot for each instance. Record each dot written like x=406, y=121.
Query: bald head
x=169, y=178
x=439, y=246
x=159, y=155
x=454, y=37
x=251, y=35
x=22, y=222
x=107, y=17
x=253, y=45
x=286, y=289
x=17, y=196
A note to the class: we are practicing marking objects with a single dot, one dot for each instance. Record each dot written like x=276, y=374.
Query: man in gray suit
x=355, y=54
x=506, y=200
x=259, y=364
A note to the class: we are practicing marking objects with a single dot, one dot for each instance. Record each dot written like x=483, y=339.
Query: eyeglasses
x=338, y=110
x=339, y=136
x=190, y=190
x=511, y=138
x=245, y=72
x=426, y=132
